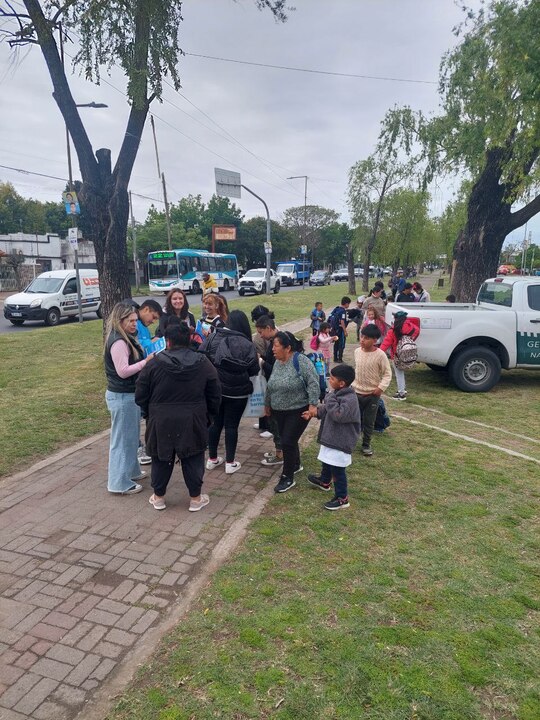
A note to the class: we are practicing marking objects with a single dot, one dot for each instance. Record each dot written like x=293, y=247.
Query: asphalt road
x=194, y=302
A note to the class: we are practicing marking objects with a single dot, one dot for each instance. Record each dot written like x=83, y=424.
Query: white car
x=254, y=281
x=340, y=274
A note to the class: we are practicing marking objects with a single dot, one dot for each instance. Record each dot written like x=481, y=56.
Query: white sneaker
x=231, y=468
x=194, y=505
x=211, y=464
x=266, y=434
x=256, y=425
x=142, y=457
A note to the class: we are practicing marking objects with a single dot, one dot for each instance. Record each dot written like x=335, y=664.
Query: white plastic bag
x=255, y=404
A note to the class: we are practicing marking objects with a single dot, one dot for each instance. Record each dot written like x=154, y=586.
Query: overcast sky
x=263, y=122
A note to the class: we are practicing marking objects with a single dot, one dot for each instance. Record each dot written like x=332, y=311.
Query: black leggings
x=229, y=416
x=192, y=470
x=291, y=426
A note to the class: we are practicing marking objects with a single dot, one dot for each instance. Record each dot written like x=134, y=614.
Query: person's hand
x=335, y=338
x=149, y=357
x=312, y=410
x=306, y=415
x=267, y=411
x=377, y=392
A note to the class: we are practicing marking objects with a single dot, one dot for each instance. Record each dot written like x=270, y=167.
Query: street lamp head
x=92, y=105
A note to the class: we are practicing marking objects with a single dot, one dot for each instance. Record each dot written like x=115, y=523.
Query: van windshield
x=285, y=268
x=45, y=285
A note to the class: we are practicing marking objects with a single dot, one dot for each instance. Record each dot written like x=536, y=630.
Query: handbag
x=255, y=403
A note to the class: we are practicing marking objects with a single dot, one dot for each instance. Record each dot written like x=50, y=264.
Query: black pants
x=192, y=470
x=291, y=426
x=368, y=409
x=338, y=475
x=229, y=416
x=339, y=346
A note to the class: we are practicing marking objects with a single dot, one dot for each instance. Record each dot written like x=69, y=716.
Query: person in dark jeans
x=372, y=376
x=293, y=388
x=232, y=352
x=340, y=312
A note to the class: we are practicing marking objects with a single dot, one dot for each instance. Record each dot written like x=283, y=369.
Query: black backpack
x=334, y=320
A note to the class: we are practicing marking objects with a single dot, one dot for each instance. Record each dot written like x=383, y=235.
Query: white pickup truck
x=473, y=341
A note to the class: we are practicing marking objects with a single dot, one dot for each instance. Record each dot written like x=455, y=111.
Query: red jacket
x=411, y=327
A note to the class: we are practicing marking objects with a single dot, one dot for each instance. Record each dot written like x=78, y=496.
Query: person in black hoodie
x=179, y=395
x=233, y=353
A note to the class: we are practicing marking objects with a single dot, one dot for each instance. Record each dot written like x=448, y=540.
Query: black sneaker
x=316, y=480
x=337, y=503
x=366, y=450
x=284, y=484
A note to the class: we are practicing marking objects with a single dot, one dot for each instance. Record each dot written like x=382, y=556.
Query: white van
x=52, y=296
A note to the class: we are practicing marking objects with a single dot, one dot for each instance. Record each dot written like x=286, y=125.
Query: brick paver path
x=85, y=576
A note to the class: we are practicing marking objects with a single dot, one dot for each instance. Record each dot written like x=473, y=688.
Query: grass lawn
x=420, y=601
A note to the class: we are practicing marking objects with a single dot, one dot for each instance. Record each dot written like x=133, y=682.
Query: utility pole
x=305, y=178
x=161, y=176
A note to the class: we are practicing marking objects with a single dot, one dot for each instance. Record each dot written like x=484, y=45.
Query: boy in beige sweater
x=372, y=377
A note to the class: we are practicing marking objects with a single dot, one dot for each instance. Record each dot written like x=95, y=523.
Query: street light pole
x=305, y=178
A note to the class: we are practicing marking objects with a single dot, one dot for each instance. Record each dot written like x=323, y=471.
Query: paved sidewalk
x=89, y=581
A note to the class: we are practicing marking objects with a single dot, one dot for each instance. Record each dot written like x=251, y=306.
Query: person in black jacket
x=176, y=305
x=233, y=353
x=180, y=394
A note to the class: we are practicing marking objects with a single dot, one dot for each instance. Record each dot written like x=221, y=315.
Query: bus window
x=211, y=264
x=195, y=263
x=182, y=265
x=204, y=264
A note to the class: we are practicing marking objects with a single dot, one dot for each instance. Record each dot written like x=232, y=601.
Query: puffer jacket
x=235, y=359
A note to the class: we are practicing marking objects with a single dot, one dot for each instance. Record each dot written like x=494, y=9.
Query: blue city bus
x=183, y=269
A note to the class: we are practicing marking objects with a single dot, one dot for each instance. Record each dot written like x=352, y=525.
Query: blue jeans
x=338, y=475
x=125, y=422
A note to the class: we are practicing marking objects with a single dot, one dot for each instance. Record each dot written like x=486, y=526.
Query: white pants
x=400, y=380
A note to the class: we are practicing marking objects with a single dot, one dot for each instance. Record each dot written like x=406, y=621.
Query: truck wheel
x=437, y=368
x=16, y=321
x=52, y=317
x=276, y=288
x=475, y=369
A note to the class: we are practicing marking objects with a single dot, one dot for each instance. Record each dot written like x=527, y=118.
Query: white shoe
x=211, y=464
x=266, y=434
x=231, y=468
x=194, y=506
x=256, y=425
x=142, y=457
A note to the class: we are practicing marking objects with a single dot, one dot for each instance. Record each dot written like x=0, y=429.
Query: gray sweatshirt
x=340, y=420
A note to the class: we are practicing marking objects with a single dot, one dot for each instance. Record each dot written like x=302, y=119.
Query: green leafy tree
x=332, y=251
x=306, y=224
x=142, y=38
x=12, y=210
x=370, y=182
x=489, y=128
x=249, y=246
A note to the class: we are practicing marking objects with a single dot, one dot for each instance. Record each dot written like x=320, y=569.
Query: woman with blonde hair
x=216, y=311
x=124, y=359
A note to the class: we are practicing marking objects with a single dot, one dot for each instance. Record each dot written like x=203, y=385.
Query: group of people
x=192, y=380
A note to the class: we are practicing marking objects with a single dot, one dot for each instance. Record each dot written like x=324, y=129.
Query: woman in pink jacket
x=403, y=325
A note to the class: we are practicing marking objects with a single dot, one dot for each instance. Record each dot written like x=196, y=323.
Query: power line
x=314, y=72
x=30, y=172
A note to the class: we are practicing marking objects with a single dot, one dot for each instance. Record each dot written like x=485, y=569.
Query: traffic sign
x=72, y=236
x=227, y=183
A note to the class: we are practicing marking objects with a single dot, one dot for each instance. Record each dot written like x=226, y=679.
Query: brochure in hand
x=156, y=346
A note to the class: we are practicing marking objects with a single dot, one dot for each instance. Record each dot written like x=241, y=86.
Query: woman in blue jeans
x=123, y=358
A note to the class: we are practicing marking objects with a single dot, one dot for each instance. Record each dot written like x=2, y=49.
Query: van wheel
x=99, y=313
x=16, y=321
x=52, y=317
x=475, y=369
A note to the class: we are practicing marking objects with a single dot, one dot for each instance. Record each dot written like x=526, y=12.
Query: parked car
x=319, y=277
x=340, y=274
x=358, y=272
x=473, y=341
x=254, y=281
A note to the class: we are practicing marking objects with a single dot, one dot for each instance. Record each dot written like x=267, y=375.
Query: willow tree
x=142, y=38
x=488, y=130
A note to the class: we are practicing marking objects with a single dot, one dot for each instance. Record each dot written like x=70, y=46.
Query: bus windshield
x=162, y=269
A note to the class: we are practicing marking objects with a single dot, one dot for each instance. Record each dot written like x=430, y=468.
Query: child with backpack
x=338, y=320
x=323, y=342
x=338, y=435
x=401, y=342
x=373, y=376
x=317, y=317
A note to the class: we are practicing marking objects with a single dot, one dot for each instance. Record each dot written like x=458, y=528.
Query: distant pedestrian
x=261, y=345
x=338, y=434
x=420, y=294
x=267, y=330
x=317, y=317
x=123, y=359
x=178, y=394
x=209, y=284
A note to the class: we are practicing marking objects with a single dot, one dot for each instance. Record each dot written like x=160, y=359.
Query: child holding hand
x=338, y=434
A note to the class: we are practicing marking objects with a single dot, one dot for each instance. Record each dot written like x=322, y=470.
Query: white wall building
x=48, y=252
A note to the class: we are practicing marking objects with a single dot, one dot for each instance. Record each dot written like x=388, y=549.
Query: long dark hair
x=238, y=321
x=260, y=310
x=169, y=308
x=398, y=326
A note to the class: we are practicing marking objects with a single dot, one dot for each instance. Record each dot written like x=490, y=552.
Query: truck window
x=533, y=297
x=496, y=294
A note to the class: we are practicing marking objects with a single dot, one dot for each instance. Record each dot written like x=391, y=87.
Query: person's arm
x=120, y=358
x=343, y=324
x=388, y=341
x=212, y=390
x=142, y=391
x=254, y=366
x=340, y=409
x=387, y=373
